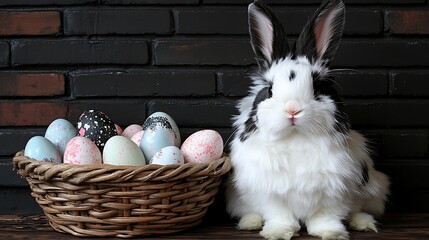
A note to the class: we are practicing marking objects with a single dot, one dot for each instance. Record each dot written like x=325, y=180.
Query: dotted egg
x=96, y=126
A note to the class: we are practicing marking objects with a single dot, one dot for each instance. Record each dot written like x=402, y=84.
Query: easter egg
x=154, y=138
x=81, y=150
x=59, y=132
x=40, y=148
x=167, y=121
x=168, y=155
x=136, y=138
x=131, y=130
x=202, y=147
x=120, y=150
x=96, y=126
x=118, y=129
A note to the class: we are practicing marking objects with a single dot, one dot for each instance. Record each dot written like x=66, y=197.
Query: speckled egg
x=96, y=126
x=136, y=138
x=131, y=130
x=167, y=121
x=202, y=147
x=156, y=137
x=120, y=150
x=168, y=155
x=40, y=148
x=81, y=150
x=59, y=133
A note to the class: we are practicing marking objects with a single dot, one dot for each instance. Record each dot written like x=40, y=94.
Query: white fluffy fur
x=309, y=172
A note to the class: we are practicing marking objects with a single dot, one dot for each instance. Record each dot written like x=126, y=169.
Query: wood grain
x=394, y=226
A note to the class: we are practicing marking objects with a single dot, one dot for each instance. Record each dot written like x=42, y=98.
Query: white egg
x=40, y=148
x=156, y=137
x=81, y=150
x=202, y=147
x=168, y=121
x=60, y=132
x=168, y=155
x=120, y=150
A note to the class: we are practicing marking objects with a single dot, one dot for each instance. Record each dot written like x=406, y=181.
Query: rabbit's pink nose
x=293, y=108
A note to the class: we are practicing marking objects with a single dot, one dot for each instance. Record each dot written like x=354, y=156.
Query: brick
x=203, y=52
x=31, y=84
x=4, y=54
x=362, y=83
x=196, y=113
x=405, y=143
x=409, y=83
x=139, y=83
x=408, y=200
x=18, y=201
x=122, y=112
x=29, y=23
x=157, y=2
x=219, y=20
x=388, y=113
x=212, y=21
x=363, y=21
x=382, y=53
x=45, y=2
x=8, y=176
x=233, y=83
x=408, y=21
x=14, y=140
x=77, y=51
x=98, y=21
x=35, y=113
x=407, y=173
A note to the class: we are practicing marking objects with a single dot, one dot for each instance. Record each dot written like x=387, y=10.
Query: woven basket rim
x=99, y=173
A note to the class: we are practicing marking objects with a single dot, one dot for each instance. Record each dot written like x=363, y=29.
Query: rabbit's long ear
x=267, y=35
x=321, y=36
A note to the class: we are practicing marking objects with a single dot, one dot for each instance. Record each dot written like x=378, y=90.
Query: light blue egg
x=154, y=138
x=168, y=155
x=40, y=148
x=60, y=132
x=168, y=122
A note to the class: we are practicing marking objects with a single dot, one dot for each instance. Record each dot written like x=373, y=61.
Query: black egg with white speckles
x=97, y=126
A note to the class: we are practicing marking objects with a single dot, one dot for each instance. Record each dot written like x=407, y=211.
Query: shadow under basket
x=122, y=201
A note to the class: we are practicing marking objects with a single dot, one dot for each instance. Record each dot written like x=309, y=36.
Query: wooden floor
x=393, y=226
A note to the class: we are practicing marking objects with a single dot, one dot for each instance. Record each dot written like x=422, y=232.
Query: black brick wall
x=191, y=58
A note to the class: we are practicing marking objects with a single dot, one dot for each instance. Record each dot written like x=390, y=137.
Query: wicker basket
x=122, y=201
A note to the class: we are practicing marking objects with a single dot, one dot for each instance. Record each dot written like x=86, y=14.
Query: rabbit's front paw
x=277, y=232
x=340, y=235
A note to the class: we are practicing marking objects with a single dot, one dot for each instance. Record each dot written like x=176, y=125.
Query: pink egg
x=118, y=129
x=131, y=130
x=202, y=147
x=81, y=150
x=137, y=137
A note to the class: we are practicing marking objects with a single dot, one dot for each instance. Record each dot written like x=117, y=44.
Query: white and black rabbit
x=295, y=159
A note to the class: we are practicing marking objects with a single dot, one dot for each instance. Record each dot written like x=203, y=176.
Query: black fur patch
x=292, y=75
x=306, y=44
x=280, y=45
x=250, y=124
x=365, y=175
x=325, y=87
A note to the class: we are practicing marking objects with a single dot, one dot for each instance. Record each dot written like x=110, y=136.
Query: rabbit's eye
x=292, y=75
x=270, y=91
